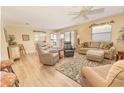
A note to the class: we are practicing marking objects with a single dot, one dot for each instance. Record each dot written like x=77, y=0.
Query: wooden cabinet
x=14, y=52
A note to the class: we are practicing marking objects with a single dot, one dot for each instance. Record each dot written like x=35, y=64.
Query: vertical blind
x=69, y=37
x=101, y=32
x=55, y=39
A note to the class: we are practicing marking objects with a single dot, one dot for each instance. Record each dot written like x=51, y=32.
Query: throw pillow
x=85, y=44
x=101, y=45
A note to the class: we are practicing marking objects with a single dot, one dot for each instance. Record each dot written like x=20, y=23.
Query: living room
x=61, y=49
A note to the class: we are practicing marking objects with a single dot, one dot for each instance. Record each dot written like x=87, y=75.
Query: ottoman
x=95, y=55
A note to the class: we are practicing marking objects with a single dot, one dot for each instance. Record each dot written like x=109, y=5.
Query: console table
x=14, y=52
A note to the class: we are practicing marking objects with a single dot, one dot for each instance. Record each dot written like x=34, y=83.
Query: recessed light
x=27, y=23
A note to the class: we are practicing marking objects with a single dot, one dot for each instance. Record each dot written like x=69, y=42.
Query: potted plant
x=11, y=40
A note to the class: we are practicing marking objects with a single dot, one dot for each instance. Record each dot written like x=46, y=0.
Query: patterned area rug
x=73, y=66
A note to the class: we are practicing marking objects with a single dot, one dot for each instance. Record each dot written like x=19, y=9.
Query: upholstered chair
x=104, y=76
x=8, y=77
x=68, y=50
x=47, y=56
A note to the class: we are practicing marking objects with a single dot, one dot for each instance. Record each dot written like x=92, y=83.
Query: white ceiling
x=50, y=17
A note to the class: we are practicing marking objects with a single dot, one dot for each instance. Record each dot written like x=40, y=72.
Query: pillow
x=44, y=48
x=115, y=70
x=101, y=45
x=85, y=44
x=108, y=46
x=94, y=44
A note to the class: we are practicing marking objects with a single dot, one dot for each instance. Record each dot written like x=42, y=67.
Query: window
x=101, y=33
x=55, y=39
x=39, y=36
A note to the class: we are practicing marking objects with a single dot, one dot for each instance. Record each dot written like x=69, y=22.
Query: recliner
x=68, y=50
x=104, y=76
x=46, y=56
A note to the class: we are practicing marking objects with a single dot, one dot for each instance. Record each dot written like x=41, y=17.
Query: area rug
x=72, y=67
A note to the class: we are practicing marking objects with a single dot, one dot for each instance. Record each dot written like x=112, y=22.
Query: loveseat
x=103, y=76
x=107, y=47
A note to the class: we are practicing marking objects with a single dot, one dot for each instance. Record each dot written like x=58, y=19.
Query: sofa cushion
x=102, y=70
x=94, y=44
x=54, y=54
x=53, y=50
x=115, y=74
x=86, y=44
x=84, y=49
x=106, y=45
x=101, y=45
x=91, y=78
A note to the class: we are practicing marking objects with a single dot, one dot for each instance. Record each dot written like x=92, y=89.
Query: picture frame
x=25, y=37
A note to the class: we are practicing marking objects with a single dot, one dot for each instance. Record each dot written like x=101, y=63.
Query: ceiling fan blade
x=74, y=13
x=96, y=11
x=80, y=13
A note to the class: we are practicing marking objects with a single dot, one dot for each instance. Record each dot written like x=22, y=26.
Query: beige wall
x=3, y=44
x=84, y=31
x=18, y=31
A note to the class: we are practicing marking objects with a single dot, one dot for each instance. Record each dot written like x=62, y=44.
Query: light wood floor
x=31, y=73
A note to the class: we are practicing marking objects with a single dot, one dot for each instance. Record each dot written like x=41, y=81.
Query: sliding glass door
x=55, y=39
x=69, y=37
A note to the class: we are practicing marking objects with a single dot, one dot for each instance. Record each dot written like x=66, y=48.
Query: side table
x=120, y=55
x=61, y=53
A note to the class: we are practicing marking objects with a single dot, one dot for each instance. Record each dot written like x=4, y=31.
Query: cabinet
x=14, y=52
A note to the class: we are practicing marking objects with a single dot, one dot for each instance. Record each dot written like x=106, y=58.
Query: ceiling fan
x=85, y=11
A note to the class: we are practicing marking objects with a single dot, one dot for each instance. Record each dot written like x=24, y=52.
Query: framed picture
x=25, y=37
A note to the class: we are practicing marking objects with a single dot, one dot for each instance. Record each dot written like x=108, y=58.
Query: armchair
x=68, y=50
x=104, y=76
x=46, y=57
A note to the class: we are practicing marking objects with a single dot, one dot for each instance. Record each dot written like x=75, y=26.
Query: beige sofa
x=46, y=55
x=104, y=76
x=107, y=47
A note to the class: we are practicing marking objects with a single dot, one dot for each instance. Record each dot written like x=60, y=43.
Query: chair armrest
x=5, y=63
x=113, y=50
x=92, y=78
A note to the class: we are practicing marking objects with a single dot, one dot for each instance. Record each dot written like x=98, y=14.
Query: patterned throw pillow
x=101, y=45
x=108, y=46
x=85, y=44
